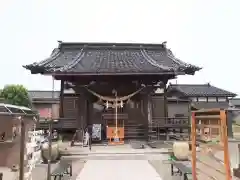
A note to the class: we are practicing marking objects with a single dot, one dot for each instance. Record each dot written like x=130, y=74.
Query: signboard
x=96, y=132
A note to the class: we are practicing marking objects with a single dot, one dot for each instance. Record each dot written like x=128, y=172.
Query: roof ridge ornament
x=164, y=44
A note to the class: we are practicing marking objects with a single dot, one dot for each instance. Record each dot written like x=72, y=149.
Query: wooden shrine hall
x=114, y=85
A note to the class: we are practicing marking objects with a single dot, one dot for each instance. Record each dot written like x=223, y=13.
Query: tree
x=16, y=95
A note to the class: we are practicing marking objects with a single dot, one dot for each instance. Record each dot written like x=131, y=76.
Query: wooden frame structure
x=204, y=115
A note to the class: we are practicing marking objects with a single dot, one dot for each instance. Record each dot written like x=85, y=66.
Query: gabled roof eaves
x=43, y=94
x=201, y=90
x=112, y=58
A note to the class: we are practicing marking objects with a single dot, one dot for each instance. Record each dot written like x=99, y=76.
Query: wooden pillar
x=61, y=112
x=165, y=101
x=81, y=112
x=189, y=120
x=193, y=136
x=149, y=109
x=87, y=112
x=149, y=115
x=165, y=106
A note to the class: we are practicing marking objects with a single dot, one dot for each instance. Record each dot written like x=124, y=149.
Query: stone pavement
x=118, y=170
x=121, y=149
x=8, y=174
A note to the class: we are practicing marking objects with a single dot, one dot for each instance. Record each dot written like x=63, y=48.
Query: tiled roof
x=44, y=94
x=235, y=101
x=112, y=58
x=194, y=90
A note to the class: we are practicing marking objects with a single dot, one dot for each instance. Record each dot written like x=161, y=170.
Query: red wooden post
x=223, y=120
x=193, y=135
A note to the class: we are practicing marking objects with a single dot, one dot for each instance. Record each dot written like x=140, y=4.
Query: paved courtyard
x=115, y=162
x=118, y=170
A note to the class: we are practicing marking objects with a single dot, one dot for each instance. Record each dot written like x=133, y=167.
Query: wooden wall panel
x=157, y=107
x=70, y=107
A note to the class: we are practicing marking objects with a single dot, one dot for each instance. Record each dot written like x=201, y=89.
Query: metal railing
x=166, y=128
x=60, y=123
x=170, y=121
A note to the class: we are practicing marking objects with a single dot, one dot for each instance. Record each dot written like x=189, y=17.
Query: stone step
x=136, y=156
x=133, y=125
x=137, y=130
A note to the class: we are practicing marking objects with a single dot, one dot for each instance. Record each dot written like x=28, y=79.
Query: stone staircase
x=134, y=127
x=134, y=130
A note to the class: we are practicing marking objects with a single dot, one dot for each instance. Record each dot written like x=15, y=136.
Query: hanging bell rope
x=107, y=98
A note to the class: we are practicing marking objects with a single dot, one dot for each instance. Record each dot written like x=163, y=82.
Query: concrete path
x=118, y=170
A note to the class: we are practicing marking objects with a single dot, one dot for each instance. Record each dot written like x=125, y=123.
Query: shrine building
x=114, y=84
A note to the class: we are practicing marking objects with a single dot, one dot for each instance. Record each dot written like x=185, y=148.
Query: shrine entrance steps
x=134, y=130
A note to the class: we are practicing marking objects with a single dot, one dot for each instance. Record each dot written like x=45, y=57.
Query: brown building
x=181, y=99
x=46, y=103
x=106, y=75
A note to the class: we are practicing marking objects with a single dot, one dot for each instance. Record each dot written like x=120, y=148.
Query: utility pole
x=50, y=137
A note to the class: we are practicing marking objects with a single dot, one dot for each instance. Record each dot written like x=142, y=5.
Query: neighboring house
x=235, y=105
x=235, y=102
x=201, y=95
x=46, y=103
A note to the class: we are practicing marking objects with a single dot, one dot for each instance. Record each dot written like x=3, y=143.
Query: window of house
x=3, y=109
x=45, y=112
x=202, y=99
x=15, y=110
x=212, y=99
x=194, y=99
x=222, y=99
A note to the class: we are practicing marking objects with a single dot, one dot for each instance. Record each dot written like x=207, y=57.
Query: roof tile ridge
x=112, y=44
x=55, y=53
x=42, y=91
x=227, y=91
x=74, y=62
x=189, y=84
x=152, y=61
x=178, y=61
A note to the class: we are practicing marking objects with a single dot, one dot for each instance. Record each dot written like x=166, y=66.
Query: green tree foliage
x=16, y=95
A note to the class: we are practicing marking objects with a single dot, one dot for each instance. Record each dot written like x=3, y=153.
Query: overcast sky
x=201, y=32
